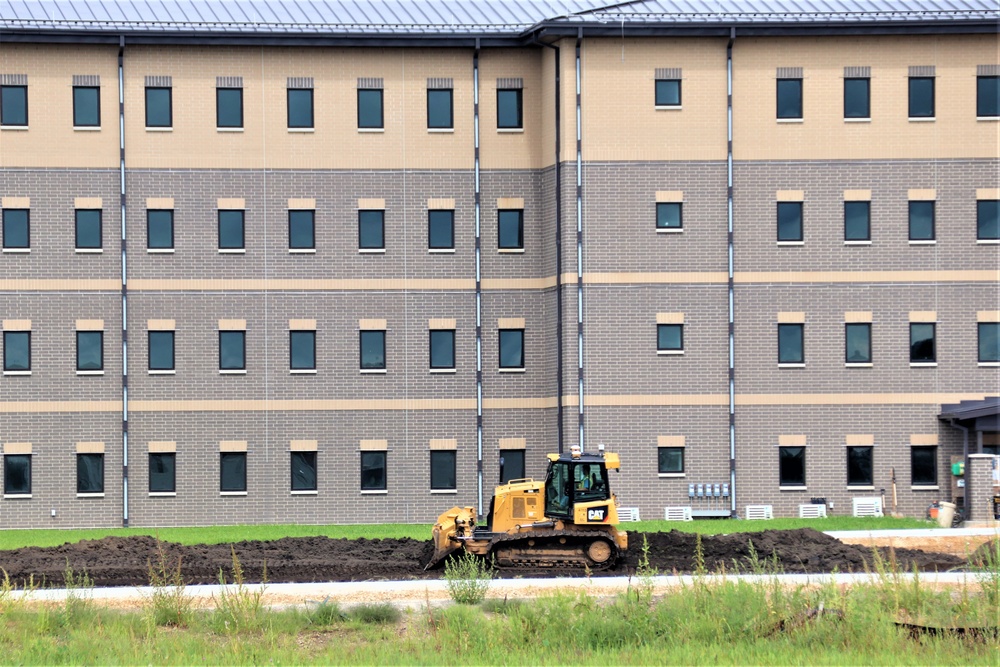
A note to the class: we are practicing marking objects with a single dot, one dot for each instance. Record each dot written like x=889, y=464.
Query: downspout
x=729, y=237
x=121, y=168
x=479, y=287
x=579, y=240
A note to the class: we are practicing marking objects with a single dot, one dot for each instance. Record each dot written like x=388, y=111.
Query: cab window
x=590, y=482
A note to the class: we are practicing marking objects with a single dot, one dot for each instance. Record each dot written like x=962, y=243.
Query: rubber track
x=544, y=534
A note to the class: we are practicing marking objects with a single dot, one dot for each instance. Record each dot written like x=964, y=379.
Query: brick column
x=979, y=487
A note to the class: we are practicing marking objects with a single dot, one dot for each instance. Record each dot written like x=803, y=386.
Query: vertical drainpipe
x=729, y=215
x=479, y=289
x=579, y=239
x=121, y=169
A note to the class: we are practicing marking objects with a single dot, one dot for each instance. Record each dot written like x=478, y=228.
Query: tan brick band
x=857, y=316
x=670, y=318
x=987, y=193
x=371, y=204
x=923, y=316
x=17, y=448
x=440, y=204
x=510, y=323
x=670, y=441
x=442, y=324
x=17, y=325
x=161, y=447
x=316, y=405
x=858, y=439
x=232, y=445
x=303, y=445
x=373, y=445
x=231, y=204
x=512, y=443
x=921, y=195
x=90, y=325
x=161, y=325
x=160, y=202
x=372, y=325
x=667, y=196
x=15, y=202
x=90, y=448
x=302, y=325
x=791, y=440
x=971, y=276
x=791, y=318
x=857, y=195
x=302, y=204
x=519, y=283
x=88, y=202
x=519, y=403
x=232, y=325
x=445, y=444
x=918, y=439
x=510, y=202
x=790, y=195
x=58, y=285
x=37, y=407
x=988, y=316
x=291, y=284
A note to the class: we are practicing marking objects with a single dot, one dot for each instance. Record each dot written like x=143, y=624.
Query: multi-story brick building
x=296, y=262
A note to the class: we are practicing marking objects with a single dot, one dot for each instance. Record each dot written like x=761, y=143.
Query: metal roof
x=971, y=409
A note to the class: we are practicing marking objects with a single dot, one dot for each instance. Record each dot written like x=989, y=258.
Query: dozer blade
x=446, y=530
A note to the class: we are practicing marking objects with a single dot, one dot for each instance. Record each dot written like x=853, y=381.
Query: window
x=922, y=348
x=791, y=466
x=232, y=350
x=90, y=473
x=857, y=98
x=370, y=109
x=510, y=109
x=88, y=229
x=229, y=107
x=161, y=350
x=511, y=465
x=90, y=350
x=231, y=232
x=160, y=230
x=669, y=337
x=791, y=348
x=442, y=348
x=439, y=109
x=14, y=106
x=921, y=221
x=789, y=221
x=859, y=466
x=921, y=97
x=233, y=472
x=670, y=460
x=789, y=98
x=372, y=350
x=441, y=230
x=989, y=342
x=511, y=229
x=668, y=92
x=302, y=350
x=371, y=230
x=15, y=229
x=300, y=108
x=987, y=96
x=857, y=220
x=86, y=106
x=923, y=466
x=304, y=471
x=511, y=348
x=159, y=103
x=16, y=351
x=988, y=220
x=858, y=343
x=443, y=470
x=162, y=472
x=373, y=473
x=302, y=230
x=17, y=474
x=668, y=215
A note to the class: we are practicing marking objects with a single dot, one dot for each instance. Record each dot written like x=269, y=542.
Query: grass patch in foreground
x=720, y=526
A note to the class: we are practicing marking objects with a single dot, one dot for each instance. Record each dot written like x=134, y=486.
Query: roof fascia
x=570, y=29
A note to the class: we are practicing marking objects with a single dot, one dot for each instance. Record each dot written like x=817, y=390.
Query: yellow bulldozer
x=570, y=519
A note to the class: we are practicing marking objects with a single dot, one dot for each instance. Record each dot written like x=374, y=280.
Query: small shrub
x=327, y=613
x=468, y=578
x=169, y=604
x=240, y=608
x=375, y=614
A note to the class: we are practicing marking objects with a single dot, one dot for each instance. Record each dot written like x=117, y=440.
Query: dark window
x=439, y=109
x=510, y=110
x=232, y=350
x=300, y=108
x=511, y=465
x=229, y=107
x=442, y=348
x=857, y=98
x=373, y=350
x=669, y=215
x=88, y=228
x=987, y=96
x=791, y=466
x=923, y=466
x=371, y=230
x=511, y=229
x=992, y=450
x=859, y=466
x=791, y=347
x=231, y=230
x=670, y=459
x=232, y=471
x=443, y=470
x=86, y=106
x=159, y=230
x=922, y=347
x=669, y=336
x=373, y=472
x=511, y=348
x=921, y=97
x=989, y=341
x=441, y=230
x=17, y=350
x=988, y=219
x=159, y=112
x=857, y=220
x=161, y=350
x=302, y=230
x=302, y=350
x=162, y=472
x=90, y=473
x=15, y=228
x=13, y=105
x=17, y=474
x=858, y=343
x=668, y=92
x=369, y=108
x=89, y=350
x=789, y=98
x=304, y=471
x=921, y=221
x=789, y=221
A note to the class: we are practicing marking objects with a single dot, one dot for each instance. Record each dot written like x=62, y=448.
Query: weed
x=169, y=604
x=9, y=599
x=987, y=566
x=699, y=557
x=240, y=608
x=79, y=587
x=468, y=578
x=502, y=607
x=327, y=613
x=375, y=614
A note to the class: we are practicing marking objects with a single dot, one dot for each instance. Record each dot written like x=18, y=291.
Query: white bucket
x=946, y=514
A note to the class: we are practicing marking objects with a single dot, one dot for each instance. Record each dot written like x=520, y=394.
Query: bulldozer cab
x=572, y=480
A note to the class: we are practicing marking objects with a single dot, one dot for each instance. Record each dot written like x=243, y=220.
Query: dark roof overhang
x=967, y=410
